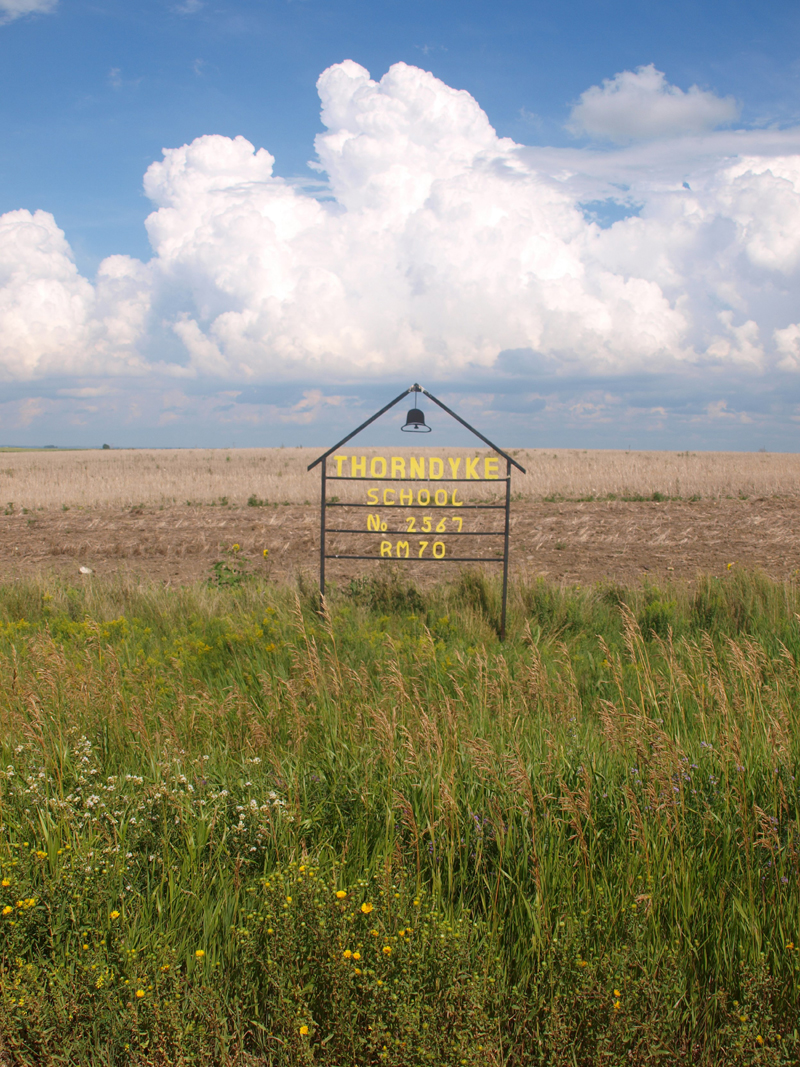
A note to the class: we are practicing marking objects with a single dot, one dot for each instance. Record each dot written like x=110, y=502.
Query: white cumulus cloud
x=14, y=9
x=435, y=247
x=787, y=342
x=641, y=104
x=52, y=320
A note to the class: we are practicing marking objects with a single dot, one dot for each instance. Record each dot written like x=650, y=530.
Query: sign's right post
x=505, y=551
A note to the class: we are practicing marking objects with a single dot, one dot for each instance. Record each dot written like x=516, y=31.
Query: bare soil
x=568, y=542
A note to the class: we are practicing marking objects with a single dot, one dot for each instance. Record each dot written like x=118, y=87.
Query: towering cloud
x=440, y=246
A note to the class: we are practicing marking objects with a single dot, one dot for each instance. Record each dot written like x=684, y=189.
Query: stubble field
x=577, y=516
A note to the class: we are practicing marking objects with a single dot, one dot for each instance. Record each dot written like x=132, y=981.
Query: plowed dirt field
x=570, y=542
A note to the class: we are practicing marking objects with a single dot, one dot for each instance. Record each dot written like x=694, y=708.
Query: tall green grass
x=580, y=846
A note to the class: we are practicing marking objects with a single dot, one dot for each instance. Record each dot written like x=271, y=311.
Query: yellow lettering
x=398, y=467
x=441, y=525
x=457, y=503
x=472, y=467
x=339, y=461
x=426, y=494
x=422, y=546
x=377, y=467
x=490, y=468
x=406, y=496
x=454, y=465
x=400, y=546
x=416, y=467
x=358, y=467
x=386, y=499
x=411, y=524
x=435, y=467
x=386, y=548
x=373, y=522
x=372, y=496
x=459, y=520
x=441, y=498
x=426, y=524
x=438, y=549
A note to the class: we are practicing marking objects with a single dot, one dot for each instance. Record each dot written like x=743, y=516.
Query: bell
x=415, y=423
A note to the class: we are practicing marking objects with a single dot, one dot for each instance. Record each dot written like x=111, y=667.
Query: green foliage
x=589, y=835
x=231, y=571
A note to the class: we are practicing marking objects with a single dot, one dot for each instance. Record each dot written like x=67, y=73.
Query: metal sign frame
x=506, y=507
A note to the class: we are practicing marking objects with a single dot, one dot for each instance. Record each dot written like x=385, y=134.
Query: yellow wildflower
x=7, y=910
x=304, y=1030
x=139, y=994
x=616, y=1005
x=789, y=946
x=387, y=950
x=357, y=970
x=356, y=955
x=759, y=1040
x=40, y=855
x=366, y=907
x=288, y=900
x=114, y=915
x=199, y=954
x=582, y=963
x=5, y=883
x=617, y=993
x=347, y=953
x=340, y=894
x=265, y=553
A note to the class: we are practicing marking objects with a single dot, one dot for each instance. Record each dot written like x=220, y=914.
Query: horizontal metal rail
x=423, y=481
x=414, y=533
x=425, y=507
x=428, y=559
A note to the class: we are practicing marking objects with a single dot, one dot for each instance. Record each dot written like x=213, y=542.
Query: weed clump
x=386, y=592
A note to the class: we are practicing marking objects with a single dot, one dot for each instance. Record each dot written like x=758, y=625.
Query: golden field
x=131, y=477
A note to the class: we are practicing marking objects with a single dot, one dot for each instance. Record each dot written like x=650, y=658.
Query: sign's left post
x=323, y=492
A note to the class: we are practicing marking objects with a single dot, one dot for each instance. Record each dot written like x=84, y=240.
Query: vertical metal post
x=505, y=551
x=323, y=489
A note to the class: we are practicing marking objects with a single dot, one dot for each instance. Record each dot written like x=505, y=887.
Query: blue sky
x=650, y=350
